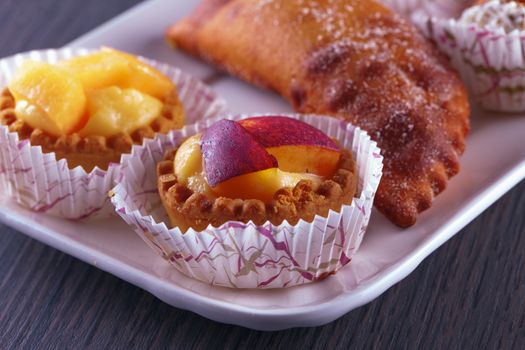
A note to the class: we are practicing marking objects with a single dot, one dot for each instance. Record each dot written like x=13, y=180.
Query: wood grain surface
x=470, y=294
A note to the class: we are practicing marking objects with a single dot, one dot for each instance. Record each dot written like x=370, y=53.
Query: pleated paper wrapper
x=39, y=182
x=426, y=8
x=244, y=255
x=491, y=62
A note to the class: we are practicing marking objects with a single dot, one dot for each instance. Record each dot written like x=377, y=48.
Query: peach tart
x=258, y=169
x=90, y=109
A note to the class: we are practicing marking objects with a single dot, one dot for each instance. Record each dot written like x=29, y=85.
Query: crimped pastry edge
x=246, y=255
x=91, y=151
x=304, y=201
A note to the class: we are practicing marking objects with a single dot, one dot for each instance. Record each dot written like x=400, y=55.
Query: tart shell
x=252, y=254
x=45, y=182
x=304, y=201
x=91, y=151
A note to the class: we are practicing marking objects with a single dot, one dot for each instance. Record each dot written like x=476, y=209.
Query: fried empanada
x=353, y=59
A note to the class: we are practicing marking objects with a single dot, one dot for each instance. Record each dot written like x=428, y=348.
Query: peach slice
x=306, y=159
x=188, y=159
x=113, y=110
x=229, y=150
x=144, y=77
x=297, y=146
x=109, y=67
x=261, y=184
x=188, y=165
x=99, y=70
x=48, y=98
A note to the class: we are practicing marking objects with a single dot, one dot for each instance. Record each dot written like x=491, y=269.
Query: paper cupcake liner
x=491, y=63
x=435, y=8
x=241, y=255
x=39, y=182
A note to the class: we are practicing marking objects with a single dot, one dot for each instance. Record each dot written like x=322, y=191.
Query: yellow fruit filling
x=102, y=94
x=48, y=98
x=260, y=185
x=98, y=70
x=113, y=110
x=109, y=67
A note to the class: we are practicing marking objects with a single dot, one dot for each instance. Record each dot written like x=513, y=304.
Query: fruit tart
x=254, y=201
x=259, y=169
x=67, y=115
x=90, y=109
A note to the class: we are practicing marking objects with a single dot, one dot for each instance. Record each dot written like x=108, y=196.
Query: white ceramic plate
x=494, y=163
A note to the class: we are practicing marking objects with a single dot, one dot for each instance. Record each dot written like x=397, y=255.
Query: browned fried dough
x=354, y=59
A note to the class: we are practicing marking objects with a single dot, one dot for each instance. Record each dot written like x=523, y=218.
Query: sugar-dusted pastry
x=353, y=59
x=257, y=169
x=90, y=109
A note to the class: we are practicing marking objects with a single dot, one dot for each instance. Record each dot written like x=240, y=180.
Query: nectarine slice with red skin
x=275, y=131
x=297, y=146
x=237, y=165
x=228, y=150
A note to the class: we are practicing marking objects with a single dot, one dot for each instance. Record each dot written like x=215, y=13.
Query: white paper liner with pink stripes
x=240, y=255
x=39, y=182
x=491, y=63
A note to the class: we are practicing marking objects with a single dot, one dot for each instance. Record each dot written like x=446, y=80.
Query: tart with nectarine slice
x=258, y=169
x=90, y=109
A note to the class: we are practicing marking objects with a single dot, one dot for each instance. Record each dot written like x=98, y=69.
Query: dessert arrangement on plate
x=262, y=200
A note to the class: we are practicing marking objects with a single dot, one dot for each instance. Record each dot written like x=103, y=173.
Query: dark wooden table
x=468, y=294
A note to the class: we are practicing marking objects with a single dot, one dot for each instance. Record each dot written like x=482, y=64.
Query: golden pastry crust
x=91, y=151
x=304, y=201
x=353, y=59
